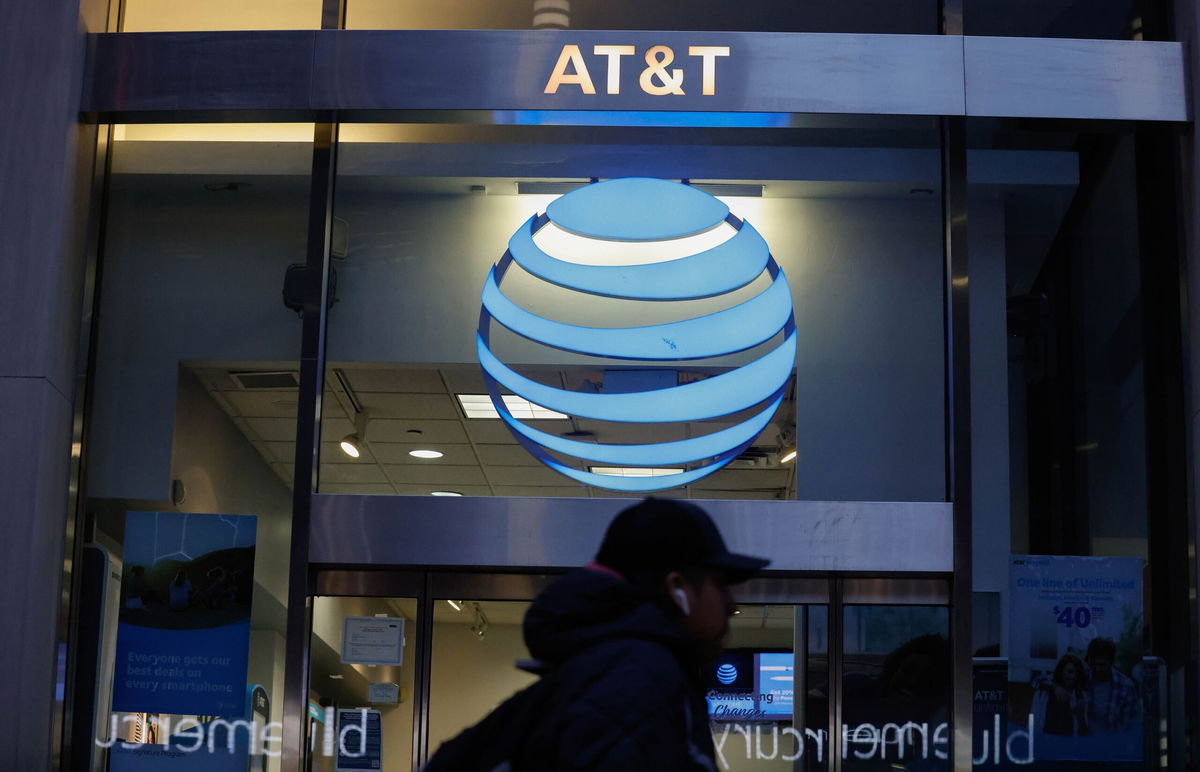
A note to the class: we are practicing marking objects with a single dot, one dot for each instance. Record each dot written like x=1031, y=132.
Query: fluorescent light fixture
x=351, y=445
x=444, y=493
x=786, y=457
x=480, y=406
x=336, y=676
x=454, y=605
x=426, y=453
x=635, y=471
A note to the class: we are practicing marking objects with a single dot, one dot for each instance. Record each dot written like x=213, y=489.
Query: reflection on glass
x=896, y=688
x=338, y=685
x=197, y=417
x=757, y=721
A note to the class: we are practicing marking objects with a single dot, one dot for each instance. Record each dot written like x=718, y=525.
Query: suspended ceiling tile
x=383, y=405
x=398, y=453
x=505, y=455
x=334, y=429
x=770, y=494
x=525, y=475
x=273, y=429
x=396, y=430
x=543, y=491
x=435, y=474
x=670, y=493
x=493, y=431
x=393, y=380
x=352, y=473
x=283, y=452
x=269, y=404
x=465, y=381
x=359, y=489
x=744, y=479
x=284, y=471
x=425, y=490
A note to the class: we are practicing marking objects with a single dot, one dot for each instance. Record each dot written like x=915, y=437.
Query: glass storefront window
x=911, y=17
x=1105, y=19
x=184, y=497
x=173, y=16
x=849, y=209
x=1068, y=249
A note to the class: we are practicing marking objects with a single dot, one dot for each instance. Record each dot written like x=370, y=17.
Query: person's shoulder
x=635, y=659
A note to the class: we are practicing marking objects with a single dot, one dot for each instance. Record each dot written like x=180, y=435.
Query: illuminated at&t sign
x=657, y=78
x=675, y=246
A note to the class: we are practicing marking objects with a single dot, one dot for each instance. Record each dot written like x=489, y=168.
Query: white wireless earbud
x=681, y=599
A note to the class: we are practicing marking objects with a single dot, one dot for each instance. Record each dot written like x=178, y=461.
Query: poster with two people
x=1075, y=656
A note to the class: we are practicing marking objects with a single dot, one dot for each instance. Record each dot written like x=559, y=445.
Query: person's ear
x=678, y=591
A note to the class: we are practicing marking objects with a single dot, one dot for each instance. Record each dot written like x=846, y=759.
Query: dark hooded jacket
x=621, y=689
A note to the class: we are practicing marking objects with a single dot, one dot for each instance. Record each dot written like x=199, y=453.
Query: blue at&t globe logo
x=727, y=674
x=632, y=223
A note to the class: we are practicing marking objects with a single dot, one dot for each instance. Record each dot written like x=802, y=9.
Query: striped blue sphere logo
x=724, y=259
x=727, y=674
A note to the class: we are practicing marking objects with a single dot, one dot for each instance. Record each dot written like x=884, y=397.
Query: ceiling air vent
x=754, y=455
x=252, y=380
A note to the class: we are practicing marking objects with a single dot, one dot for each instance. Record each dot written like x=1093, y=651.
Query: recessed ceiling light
x=636, y=471
x=444, y=493
x=426, y=453
x=480, y=406
x=351, y=445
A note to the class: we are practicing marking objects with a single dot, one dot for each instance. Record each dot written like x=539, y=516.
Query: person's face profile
x=711, y=604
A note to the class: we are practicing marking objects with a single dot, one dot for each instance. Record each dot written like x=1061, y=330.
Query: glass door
x=403, y=661
x=364, y=660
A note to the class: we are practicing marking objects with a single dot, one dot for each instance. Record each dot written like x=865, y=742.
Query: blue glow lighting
x=736, y=328
x=731, y=264
x=719, y=395
x=655, y=454
x=640, y=118
x=640, y=209
x=637, y=209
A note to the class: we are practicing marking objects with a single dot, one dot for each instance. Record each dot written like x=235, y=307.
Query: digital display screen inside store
x=751, y=686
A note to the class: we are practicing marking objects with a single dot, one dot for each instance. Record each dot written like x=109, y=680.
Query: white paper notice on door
x=373, y=640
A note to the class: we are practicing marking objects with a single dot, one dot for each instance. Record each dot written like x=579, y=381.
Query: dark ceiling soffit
x=365, y=75
x=246, y=75
x=221, y=76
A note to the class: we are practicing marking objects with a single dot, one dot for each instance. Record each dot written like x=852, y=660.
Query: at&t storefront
x=432, y=304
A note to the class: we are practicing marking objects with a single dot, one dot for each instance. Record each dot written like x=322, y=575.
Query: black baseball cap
x=668, y=534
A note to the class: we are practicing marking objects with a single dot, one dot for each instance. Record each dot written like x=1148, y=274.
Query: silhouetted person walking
x=621, y=644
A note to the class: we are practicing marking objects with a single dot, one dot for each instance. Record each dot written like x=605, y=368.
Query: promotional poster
x=184, y=631
x=1075, y=656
